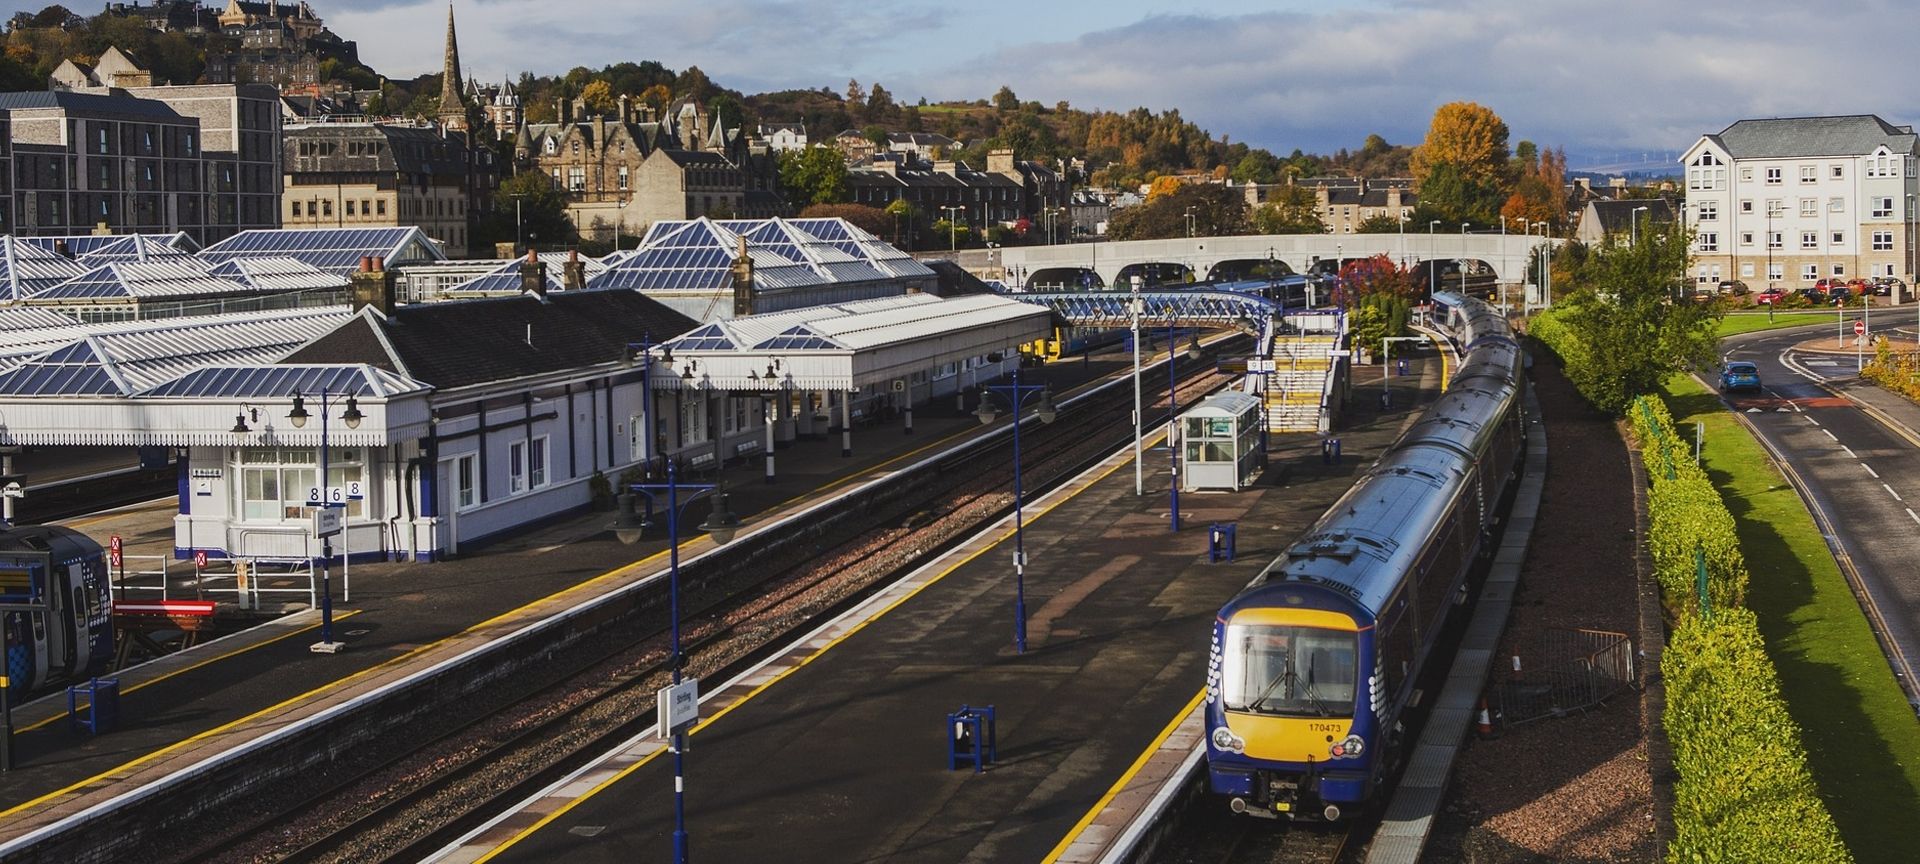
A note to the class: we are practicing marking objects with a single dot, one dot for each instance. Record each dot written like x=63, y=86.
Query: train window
x=1290, y=671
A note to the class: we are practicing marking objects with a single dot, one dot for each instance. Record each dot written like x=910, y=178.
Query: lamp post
x=1016, y=395
x=1433, y=252
x=1403, y=240
x=1134, y=308
x=1173, y=421
x=721, y=523
x=1633, y=226
x=1189, y=223
x=953, y=225
x=298, y=417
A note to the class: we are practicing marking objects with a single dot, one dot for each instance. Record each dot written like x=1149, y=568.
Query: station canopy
x=27, y=269
x=83, y=246
x=698, y=255
x=846, y=346
x=140, y=280
x=335, y=250
x=505, y=279
x=125, y=358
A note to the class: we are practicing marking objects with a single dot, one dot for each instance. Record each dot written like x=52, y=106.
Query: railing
x=131, y=577
x=1578, y=670
x=214, y=579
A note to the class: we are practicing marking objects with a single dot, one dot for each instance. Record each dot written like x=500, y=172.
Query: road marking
x=1910, y=512
x=1896, y=495
x=1853, y=455
x=1876, y=474
x=1126, y=778
x=1829, y=434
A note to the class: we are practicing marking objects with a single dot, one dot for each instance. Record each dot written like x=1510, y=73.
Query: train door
x=59, y=624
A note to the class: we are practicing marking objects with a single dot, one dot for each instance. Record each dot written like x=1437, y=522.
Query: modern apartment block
x=240, y=149
x=1785, y=202
x=82, y=159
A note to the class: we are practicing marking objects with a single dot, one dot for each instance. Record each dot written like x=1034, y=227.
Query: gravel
x=1572, y=789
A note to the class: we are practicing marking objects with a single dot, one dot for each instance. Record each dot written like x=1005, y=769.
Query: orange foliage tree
x=1468, y=136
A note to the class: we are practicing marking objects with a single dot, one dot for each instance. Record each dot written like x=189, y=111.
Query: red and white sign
x=1859, y=328
x=114, y=549
x=182, y=608
x=200, y=559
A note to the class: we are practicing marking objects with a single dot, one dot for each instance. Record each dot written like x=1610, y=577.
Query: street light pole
x=721, y=523
x=953, y=226
x=298, y=417
x=1633, y=226
x=1133, y=313
x=1016, y=394
x=1433, y=253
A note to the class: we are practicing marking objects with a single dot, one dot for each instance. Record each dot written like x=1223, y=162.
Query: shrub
x=1744, y=793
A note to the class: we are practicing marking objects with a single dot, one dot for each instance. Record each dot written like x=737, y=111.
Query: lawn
x=1733, y=325
x=1862, y=739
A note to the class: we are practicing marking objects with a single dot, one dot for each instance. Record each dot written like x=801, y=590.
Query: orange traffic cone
x=1483, y=722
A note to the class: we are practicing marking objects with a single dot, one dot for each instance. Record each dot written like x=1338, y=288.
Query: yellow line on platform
x=209, y=661
x=1125, y=778
x=622, y=774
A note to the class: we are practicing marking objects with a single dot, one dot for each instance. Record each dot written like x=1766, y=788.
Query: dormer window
x=551, y=147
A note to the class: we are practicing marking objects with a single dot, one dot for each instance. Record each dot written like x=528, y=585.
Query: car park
x=1814, y=296
x=1884, y=285
x=1739, y=375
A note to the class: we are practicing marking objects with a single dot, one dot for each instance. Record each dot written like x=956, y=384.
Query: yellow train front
x=1314, y=668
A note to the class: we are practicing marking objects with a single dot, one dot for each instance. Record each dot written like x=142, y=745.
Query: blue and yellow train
x=1313, y=667
x=55, y=597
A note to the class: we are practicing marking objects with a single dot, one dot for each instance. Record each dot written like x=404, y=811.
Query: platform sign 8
x=334, y=496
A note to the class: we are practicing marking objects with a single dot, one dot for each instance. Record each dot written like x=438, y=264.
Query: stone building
x=297, y=16
x=114, y=69
x=345, y=175
x=83, y=159
x=240, y=151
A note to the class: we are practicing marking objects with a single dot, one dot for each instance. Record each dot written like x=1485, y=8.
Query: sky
x=1618, y=81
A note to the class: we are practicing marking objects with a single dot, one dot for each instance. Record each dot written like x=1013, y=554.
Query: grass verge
x=1747, y=322
x=1862, y=739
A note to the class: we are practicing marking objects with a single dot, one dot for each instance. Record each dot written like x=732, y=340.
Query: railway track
x=407, y=805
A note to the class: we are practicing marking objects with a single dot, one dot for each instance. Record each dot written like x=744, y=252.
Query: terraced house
x=1789, y=201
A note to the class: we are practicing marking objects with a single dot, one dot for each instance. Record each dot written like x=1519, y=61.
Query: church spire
x=453, y=112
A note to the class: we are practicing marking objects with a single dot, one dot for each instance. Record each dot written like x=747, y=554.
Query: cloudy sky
x=1608, y=80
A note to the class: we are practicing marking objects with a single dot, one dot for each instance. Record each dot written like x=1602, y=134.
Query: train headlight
x=1350, y=748
x=1224, y=739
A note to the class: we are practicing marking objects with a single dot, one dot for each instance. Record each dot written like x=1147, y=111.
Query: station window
x=464, y=482
x=526, y=465
x=275, y=481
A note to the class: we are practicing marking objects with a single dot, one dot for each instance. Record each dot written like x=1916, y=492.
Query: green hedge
x=1744, y=793
x=1686, y=515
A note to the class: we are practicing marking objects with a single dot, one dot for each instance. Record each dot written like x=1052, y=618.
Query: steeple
x=453, y=112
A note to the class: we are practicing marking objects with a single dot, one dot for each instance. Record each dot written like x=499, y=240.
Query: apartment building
x=1785, y=202
x=83, y=159
x=366, y=175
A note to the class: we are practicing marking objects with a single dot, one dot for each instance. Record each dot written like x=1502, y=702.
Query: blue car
x=1740, y=375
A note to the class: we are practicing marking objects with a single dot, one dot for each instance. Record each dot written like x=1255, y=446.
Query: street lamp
x=721, y=524
x=1016, y=395
x=1134, y=308
x=953, y=225
x=1433, y=253
x=1189, y=223
x=352, y=417
x=1173, y=422
x=1633, y=226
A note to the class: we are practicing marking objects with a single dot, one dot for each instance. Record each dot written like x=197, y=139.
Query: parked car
x=1884, y=285
x=1740, y=375
x=1733, y=286
x=1814, y=296
x=1839, y=295
x=1769, y=297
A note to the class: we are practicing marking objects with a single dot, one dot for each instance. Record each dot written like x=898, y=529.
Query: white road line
x=1896, y=495
x=1910, y=512
x=1876, y=474
x=1810, y=419
x=1853, y=455
x=1829, y=434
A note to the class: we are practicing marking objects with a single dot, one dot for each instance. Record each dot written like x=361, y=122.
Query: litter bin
x=102, y=711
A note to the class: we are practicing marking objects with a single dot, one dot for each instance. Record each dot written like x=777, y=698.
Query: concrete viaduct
x=1506, y=255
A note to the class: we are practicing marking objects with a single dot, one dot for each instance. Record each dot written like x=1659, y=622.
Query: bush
x=1898, y=372
x=1686, y=515
x=1744, y=793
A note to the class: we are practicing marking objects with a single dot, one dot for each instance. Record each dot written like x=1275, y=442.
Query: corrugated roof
x=272, y=274
x=279, y=380
x=135, y=355
x=335, y=250
x=1789, y=137
x=855, y=326
x=169, y=278
x=27, y=269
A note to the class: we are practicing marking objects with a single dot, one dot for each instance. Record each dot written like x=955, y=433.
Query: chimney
x=1619, y=184
x=944, y=166
x=101, y=229
x=372, y=285
x=626, y=108
x=564, y=107
x=574, y=272
x=743, y=282
x=600, y=133
x=533, y=276
x=1585, y=183
x=1000, y=161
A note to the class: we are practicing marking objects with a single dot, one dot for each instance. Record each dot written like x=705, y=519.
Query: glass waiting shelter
x=1222, y=442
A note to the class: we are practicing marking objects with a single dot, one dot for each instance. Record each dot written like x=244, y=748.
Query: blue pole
x=1019, y=536
x=1173, y=452
x=646, y=401
x=326, y=543
x=674, y=660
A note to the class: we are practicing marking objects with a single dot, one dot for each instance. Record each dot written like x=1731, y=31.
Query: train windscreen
x=1289, y=671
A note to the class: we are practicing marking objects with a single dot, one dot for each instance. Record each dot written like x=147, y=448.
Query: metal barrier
x=1579, y=669
x=130, y=577
x=249, y=576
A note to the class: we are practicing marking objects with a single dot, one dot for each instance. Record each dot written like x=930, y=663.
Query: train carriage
x=70, y=636
x=1313, y=668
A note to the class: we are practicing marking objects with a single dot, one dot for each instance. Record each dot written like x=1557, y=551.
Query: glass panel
x=1289, y=671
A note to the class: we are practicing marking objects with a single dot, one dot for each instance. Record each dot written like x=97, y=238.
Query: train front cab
x=1290, y=718
x=70, y=635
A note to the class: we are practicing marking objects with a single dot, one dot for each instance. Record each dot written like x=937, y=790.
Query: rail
x=131, y=578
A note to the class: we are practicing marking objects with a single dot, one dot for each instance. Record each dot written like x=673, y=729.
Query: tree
x=1291, y=210
x=1453, y=197
x=880, y=105
x=1004, y=100
x=816, y=175
x=542, y=213
x=1258, y=166
x=599, y=97
x=695, y=85
x=1217, y=211
x=1378, y=223
x=855, y=95
x=1631, y=313
x=1468, y=136
x=657, y=97
x=1163, y=186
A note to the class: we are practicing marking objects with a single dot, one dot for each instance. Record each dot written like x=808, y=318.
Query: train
x=58, y=608
x=1312, y=668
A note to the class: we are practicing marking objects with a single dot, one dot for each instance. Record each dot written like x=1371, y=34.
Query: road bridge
x=1215, y=257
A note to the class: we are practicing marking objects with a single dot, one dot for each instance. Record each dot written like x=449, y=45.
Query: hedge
x=1744, y=793
x=1895, y=371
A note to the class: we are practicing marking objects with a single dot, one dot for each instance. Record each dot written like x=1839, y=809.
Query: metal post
x=1019, y=529
x=6, y=696
x=767, y=418
x=1139, y=478
x=326, y=543
x=676, y=661
x=846, y=423
x=1173, y=447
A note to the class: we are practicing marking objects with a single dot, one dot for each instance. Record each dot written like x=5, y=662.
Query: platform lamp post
x=1173, y=420
x=721, y=524
x=1135, y=306
x=953, y=225
x=1016, y=395
x=1432, y=253
x=352, y=417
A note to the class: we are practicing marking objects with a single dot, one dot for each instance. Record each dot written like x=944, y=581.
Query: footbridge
x=1095, y=265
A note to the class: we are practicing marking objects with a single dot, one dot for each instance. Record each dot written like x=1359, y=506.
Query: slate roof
x=1616, y=217
x=104, y=103
x=1789, y=137
x=463, y=343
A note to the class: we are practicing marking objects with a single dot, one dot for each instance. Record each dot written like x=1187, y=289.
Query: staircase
x=1294, y=392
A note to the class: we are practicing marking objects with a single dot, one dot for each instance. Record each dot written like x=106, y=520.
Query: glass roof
x=698, y=255
x=269, y=381
x=708, y=338
x=140, y=280
x=336, y=250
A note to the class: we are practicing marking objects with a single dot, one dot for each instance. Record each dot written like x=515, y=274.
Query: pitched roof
x=125, y=357
x=335, y=250
x=116, y=102
x=1789, y=137
x=462, y=343
x=1616, y=217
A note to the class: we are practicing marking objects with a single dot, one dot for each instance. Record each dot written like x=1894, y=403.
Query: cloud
x=1597, y=78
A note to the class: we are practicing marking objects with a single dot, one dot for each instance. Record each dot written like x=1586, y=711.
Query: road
x=1861, y=474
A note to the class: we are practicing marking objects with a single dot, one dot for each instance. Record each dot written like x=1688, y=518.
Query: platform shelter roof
x=124, y=358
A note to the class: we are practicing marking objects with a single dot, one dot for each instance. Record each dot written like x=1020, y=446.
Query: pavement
x=835, y=752
x=401, y=616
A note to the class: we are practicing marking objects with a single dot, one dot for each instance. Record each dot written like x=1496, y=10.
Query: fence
x=142, y=573
x=1577, y=670
x=146, y=575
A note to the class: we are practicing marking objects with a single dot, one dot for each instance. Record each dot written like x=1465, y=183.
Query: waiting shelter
x=1220, y=438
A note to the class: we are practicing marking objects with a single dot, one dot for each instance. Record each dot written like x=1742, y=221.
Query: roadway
x=1858, y=467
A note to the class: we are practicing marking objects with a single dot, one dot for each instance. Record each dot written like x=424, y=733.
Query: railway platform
x=835, y=749
x=180, y=709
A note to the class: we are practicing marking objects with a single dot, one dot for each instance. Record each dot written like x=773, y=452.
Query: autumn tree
x=1162, y=187
x=1469, y=137
x=657, y=97
x=599, y=97
x=1290, y=210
